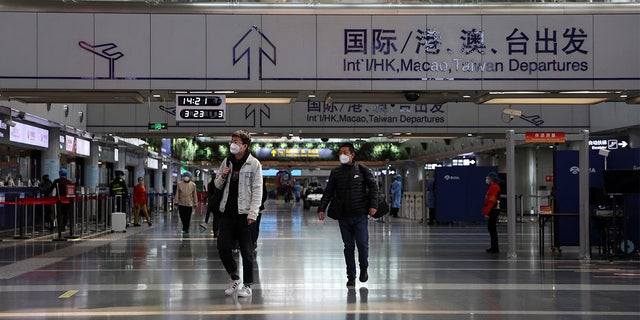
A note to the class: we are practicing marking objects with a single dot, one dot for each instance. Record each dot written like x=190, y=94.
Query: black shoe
x=364, y=276
x=351, y=283
x=136, y=224
x=492, y=250
x=149, y=223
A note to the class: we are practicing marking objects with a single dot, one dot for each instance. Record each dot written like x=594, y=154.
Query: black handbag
x=383, y=207
x=334, y=209
x=214, y=201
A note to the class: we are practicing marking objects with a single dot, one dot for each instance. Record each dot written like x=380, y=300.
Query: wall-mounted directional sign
x=608, y=142
x=200, y=107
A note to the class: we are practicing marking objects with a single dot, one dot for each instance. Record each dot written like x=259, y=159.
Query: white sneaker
x=245, y=291
x=233, y=286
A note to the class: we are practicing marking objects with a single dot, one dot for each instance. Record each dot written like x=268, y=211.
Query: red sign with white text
x=549, y=137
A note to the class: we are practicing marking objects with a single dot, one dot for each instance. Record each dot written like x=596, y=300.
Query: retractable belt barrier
x=22, y=206
x=89, y=213
x=88, y=209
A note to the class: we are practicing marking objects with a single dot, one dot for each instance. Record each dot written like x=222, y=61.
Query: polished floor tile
x=416, y=272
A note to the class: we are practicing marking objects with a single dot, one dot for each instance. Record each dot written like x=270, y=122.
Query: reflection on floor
x=416, y=272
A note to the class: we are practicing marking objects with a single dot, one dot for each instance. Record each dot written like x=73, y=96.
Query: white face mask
x=186, y=179
x=234, y=148
x=344, y=159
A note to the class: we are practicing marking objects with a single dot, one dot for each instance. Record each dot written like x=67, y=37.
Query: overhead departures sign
x=201, y=108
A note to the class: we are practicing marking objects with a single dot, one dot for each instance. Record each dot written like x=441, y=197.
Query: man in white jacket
x=240, y=176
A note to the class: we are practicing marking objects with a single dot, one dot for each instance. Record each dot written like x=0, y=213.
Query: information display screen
x=199, y=107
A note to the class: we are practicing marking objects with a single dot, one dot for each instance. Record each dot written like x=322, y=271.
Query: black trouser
x=493, y=229
x=185, y=217
x=235, y=229
x=255, y=231
x=48, y=215
x=63, y=216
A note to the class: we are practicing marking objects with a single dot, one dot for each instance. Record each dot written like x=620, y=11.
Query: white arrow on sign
x=622, y=144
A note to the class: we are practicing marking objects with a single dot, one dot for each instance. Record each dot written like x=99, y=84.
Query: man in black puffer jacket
x=353, y=191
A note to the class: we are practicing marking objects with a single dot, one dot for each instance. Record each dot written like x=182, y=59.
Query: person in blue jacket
x=396, y=195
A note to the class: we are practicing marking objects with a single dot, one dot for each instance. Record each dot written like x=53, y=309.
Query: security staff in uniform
x=118, y=187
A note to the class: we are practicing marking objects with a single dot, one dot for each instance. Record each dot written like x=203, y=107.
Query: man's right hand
x=321, y=215
x=225, y=172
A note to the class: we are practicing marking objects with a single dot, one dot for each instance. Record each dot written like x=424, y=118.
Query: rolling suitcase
x=118, y=222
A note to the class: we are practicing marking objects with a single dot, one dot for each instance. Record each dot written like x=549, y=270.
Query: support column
x=168, y=181
x=140, y=170
x=584, y=196
x=51, y=156
x=511, y=194
x=527, y=182
x=158, y=183
x=91, y=172
x=122, y=159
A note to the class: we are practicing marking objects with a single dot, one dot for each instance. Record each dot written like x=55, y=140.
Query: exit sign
x=158, y=126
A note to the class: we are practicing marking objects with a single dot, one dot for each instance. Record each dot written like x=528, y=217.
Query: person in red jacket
x=140, y=201
x=491, y=209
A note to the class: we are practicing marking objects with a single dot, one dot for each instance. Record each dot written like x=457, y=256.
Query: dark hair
x=244, y=135
x=348, y=145
x=494, y=177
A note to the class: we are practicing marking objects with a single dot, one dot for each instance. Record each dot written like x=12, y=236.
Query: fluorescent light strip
x=541, y=100
x=258, y=100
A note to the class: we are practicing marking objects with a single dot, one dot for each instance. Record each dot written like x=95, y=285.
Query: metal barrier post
x=33, y=216
x=43, y=217
x=15, y=221
x=23, y=225
x=106, y=207
x=93, y=209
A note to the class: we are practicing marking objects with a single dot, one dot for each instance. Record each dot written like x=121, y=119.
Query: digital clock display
x=204, y=114
x=198, y=101
x=201, y=107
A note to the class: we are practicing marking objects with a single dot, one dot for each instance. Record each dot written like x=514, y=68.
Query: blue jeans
x=355, y=232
